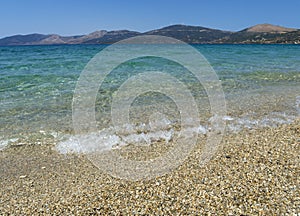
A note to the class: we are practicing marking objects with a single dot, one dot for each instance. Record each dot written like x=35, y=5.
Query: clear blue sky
x=72, y=17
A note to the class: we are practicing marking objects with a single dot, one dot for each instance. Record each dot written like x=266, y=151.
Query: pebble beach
x=255, y=172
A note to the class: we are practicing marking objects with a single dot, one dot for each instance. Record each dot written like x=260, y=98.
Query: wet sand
x=255, y=173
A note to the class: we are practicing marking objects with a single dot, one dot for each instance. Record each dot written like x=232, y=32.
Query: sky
x=77, y=17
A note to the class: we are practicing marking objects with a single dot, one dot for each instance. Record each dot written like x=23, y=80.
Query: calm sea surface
x=261, y=85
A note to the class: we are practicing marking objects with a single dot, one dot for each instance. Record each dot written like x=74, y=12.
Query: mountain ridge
x=268, y=28
x=258, y=34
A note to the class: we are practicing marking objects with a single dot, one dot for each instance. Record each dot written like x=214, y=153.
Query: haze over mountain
x=260, y=34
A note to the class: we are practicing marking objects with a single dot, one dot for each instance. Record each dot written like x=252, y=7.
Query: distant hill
x=22, y=39
x=268, y=28
x=97, y=37
x=112, y=37
x=258, y=34
x=36, y=39
x=263, y=34
x=190, y=34
x=88, y=37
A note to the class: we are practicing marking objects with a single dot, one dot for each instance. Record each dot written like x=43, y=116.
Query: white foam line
x=107, y=139
x=298, y=104
x=6, y=142
x=273, y=119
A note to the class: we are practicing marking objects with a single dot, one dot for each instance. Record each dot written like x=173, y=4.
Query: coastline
x=256, y=172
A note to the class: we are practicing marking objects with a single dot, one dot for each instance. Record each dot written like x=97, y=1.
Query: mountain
x=190, y=34
x=84, y=38
x=97, y=37
x=112, y=37
x=22, y=39
x=268, y=28
x=36, y=39
x=258, y=34
x=263, y=34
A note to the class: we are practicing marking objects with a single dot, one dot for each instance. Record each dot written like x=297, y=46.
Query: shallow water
x=260, y=82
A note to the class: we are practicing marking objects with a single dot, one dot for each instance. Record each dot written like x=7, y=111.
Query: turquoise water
x=261, y=85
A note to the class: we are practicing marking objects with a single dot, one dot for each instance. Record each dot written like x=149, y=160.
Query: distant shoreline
x=217, y=44
x=258, y=34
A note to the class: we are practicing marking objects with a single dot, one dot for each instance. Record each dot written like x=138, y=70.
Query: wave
x=117, y=137
x=107, y=139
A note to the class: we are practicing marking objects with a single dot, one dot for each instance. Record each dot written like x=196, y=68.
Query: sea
x=261, y=85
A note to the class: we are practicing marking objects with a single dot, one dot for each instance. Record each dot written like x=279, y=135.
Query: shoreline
x=255, y=172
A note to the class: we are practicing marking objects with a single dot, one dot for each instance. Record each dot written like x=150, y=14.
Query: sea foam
x=110, y=138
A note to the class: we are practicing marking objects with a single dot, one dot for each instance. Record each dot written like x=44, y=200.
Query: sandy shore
x=256, y=173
